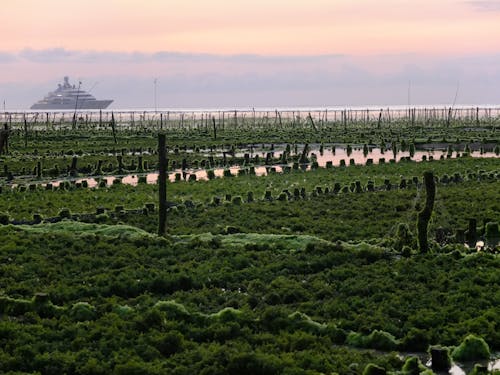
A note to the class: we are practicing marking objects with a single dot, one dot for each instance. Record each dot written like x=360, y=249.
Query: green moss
x=471, y=348
x=79, y=228
x=303, y=322
x=14, y=306
x=357, y=340
x=382, y=340
x=376, y=340
x=123, y=310
x=172, y=309
x=482, y=370
x=82, y=311
x=413, y=366
x=227, y=314
x=372, y=369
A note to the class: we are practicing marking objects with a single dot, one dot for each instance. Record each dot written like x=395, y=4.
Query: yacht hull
x=90, y=104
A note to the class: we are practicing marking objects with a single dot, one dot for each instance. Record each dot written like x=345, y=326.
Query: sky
x=259, y=53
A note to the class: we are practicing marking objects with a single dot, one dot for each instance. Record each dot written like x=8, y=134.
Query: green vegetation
x=471, y=349
x=285, y=301
x=313, y=271
x=424, y=216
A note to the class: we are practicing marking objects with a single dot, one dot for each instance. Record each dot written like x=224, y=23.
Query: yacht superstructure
x=70, y=97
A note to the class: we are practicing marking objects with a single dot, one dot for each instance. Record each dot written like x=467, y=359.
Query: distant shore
x=371, y=107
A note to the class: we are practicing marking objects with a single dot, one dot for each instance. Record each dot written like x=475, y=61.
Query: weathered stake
x=113, y=126
x=25, y=132
x=425, y=215
x=4, y=140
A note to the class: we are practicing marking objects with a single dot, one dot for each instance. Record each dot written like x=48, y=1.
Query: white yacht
x=68, y=96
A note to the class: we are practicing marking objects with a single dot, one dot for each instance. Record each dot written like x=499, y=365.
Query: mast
x=76, y=103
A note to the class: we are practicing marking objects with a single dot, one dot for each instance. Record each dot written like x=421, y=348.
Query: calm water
x=340, y=154
x=372, y=107
x=330, y=113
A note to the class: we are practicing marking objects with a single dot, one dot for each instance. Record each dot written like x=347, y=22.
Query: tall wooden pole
x=25, y=131
x=424, y=216
x=113, y=126
x=162, y=180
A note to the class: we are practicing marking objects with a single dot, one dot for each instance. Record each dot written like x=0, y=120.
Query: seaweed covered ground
x=95, y=299
x=314, y=268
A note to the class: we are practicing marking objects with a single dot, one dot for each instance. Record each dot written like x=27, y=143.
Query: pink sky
x=385, y=40
x=260, y=26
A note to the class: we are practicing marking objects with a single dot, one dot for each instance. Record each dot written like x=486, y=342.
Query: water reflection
x=334, y=158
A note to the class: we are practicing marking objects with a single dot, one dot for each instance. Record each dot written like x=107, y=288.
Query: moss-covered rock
x=413, y=366
x=372, y=369
x=82, y=311
x=472, y=348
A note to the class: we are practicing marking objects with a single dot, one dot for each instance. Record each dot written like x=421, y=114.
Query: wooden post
x=73, y=170
x=4, y=141
x=215, y=128
x=162, y=191
x=471, y=235
x=25, y=131
x=34, y=126
x=312, y=122
x=425, y=215
x=113, y=126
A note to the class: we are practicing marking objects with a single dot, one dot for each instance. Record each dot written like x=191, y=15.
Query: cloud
x=54, y=55
x=350, y=86
x=485, y=5
x=6, y=57
x=200, y=80
x=62, y=55
x=46, y=55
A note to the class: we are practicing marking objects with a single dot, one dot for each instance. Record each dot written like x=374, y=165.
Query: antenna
x=410, y=112
x=76, y=103
x=77, y=94
x=155, y=84
x=94, y=85
x=456, y=94
x=450, y=112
